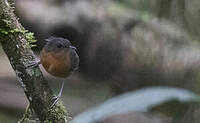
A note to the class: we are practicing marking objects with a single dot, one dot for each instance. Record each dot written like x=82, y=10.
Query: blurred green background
x=123, y=45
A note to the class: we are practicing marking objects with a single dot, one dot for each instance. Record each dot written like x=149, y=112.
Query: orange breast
x=57, y=64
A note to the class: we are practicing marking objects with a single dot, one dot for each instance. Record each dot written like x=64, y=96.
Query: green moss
x=3, y=32
x=30, y=38
x=29, y=116
x=56, y=114
x=7, y=22
x=28, y=35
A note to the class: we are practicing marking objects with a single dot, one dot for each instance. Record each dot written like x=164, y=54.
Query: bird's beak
x=72, y=47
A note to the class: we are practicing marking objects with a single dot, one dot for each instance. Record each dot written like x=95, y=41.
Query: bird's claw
x=55, y=100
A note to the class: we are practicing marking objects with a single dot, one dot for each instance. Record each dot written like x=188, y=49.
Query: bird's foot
x=55, y=99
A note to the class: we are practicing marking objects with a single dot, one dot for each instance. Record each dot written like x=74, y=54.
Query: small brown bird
x=59, y=58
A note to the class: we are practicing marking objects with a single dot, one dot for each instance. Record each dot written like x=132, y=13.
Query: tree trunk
x=14, y=39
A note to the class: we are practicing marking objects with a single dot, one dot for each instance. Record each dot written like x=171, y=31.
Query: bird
x=60, y=59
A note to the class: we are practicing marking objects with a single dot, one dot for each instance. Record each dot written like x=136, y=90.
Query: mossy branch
x=16, y=41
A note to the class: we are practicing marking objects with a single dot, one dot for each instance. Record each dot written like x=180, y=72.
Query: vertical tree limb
x=14, y=39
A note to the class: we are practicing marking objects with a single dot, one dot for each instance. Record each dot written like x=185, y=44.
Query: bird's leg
x=56, y=98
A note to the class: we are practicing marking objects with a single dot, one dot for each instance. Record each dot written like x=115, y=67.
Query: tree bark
x=14, y=39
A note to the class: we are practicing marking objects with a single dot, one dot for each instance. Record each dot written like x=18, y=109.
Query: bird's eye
x=59, y=45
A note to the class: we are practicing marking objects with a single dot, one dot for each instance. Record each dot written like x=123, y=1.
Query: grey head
x=57, y=44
